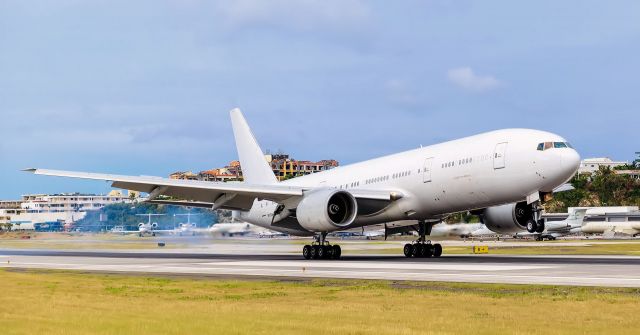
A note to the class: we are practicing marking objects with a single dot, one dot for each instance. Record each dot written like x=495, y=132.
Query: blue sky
x=145, y=87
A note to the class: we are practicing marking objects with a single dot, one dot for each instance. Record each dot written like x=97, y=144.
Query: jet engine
x=154, y=225
x=507, y=219
x=326, y=210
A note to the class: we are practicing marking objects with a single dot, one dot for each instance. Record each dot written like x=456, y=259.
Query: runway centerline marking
x=397, y=266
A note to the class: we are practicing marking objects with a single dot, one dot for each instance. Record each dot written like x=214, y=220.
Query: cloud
x=465, y=78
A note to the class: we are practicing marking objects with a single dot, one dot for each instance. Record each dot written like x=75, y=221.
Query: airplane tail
x=255, y=168
x=576, y=216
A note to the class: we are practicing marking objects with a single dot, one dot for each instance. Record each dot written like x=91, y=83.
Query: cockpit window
x=558, y=145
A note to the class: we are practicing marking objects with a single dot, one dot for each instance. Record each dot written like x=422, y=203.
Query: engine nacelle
x=154, y=225
x=326, y=210
x=507, y=219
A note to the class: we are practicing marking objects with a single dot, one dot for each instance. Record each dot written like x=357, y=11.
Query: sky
x=145, y=87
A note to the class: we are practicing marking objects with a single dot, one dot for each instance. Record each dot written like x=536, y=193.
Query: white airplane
x=571, y=225
x=187, y=228
x=148, y=228
x=231, y=229
x=439, y=230
x=266, y=233
x=629, y=228
x=455, y=229
x=518, y=167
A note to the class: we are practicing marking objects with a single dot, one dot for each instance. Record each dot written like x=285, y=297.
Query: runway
x=614, y=271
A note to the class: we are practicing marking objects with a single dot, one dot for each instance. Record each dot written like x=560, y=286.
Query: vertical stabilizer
x=255, y=168
x=576, y=217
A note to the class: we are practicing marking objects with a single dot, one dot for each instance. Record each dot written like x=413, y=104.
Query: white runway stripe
x=389, y=266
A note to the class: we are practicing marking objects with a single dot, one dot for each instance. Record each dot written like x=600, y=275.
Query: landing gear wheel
x=323, y=252
x=417, y=250
x=532, y=226
x=316, y=251
x=424, y=251
x=428, y=250
x=540, y=227
x=437, y=250
x=408, y=250
x=337, y=251
x=307, y=252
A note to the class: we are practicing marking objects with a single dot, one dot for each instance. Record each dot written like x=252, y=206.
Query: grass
x=46, y=302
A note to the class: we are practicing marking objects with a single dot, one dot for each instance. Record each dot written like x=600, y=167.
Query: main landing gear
x=422, y=248
x=536, y=224
x=321, y=249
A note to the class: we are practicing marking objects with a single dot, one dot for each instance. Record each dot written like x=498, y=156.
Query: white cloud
x=465, y=78
x=298, y=14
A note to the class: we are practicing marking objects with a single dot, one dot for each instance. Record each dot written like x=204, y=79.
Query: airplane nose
x=570, y=162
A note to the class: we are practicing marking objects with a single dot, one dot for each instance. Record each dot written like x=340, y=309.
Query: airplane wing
x=230, y=195
x=124, y=232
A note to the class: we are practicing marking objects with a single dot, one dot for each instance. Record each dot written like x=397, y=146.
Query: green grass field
x=45, y=302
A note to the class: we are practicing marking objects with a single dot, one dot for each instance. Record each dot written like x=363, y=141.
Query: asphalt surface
x=615, y=271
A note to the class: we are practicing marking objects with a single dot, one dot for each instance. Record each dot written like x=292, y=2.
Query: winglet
x=255, y=168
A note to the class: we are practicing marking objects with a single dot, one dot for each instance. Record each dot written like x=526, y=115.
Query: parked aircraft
x=144, y=228
x=571, y=225
x=517, y=167
x=231, y=229
x=187, y=228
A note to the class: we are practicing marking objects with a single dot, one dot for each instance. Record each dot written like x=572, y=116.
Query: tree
x=602, y=188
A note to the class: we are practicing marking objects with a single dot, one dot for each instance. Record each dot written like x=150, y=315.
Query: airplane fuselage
x=480, y=171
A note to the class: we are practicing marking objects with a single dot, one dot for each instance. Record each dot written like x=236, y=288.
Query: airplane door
x=498, y=155
x=426, y=170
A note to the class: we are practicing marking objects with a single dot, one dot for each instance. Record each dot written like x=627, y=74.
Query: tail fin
x=576, y=216
x=255, y=168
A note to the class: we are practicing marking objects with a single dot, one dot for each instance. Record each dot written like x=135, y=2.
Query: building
x=591, y=165
x=282, y=165
x=221, y=174
x=185, y=175
x=64, y=209
x=635, y=174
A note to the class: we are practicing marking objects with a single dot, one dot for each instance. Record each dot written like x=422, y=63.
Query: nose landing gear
x=321, y=249
x=536, y=224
